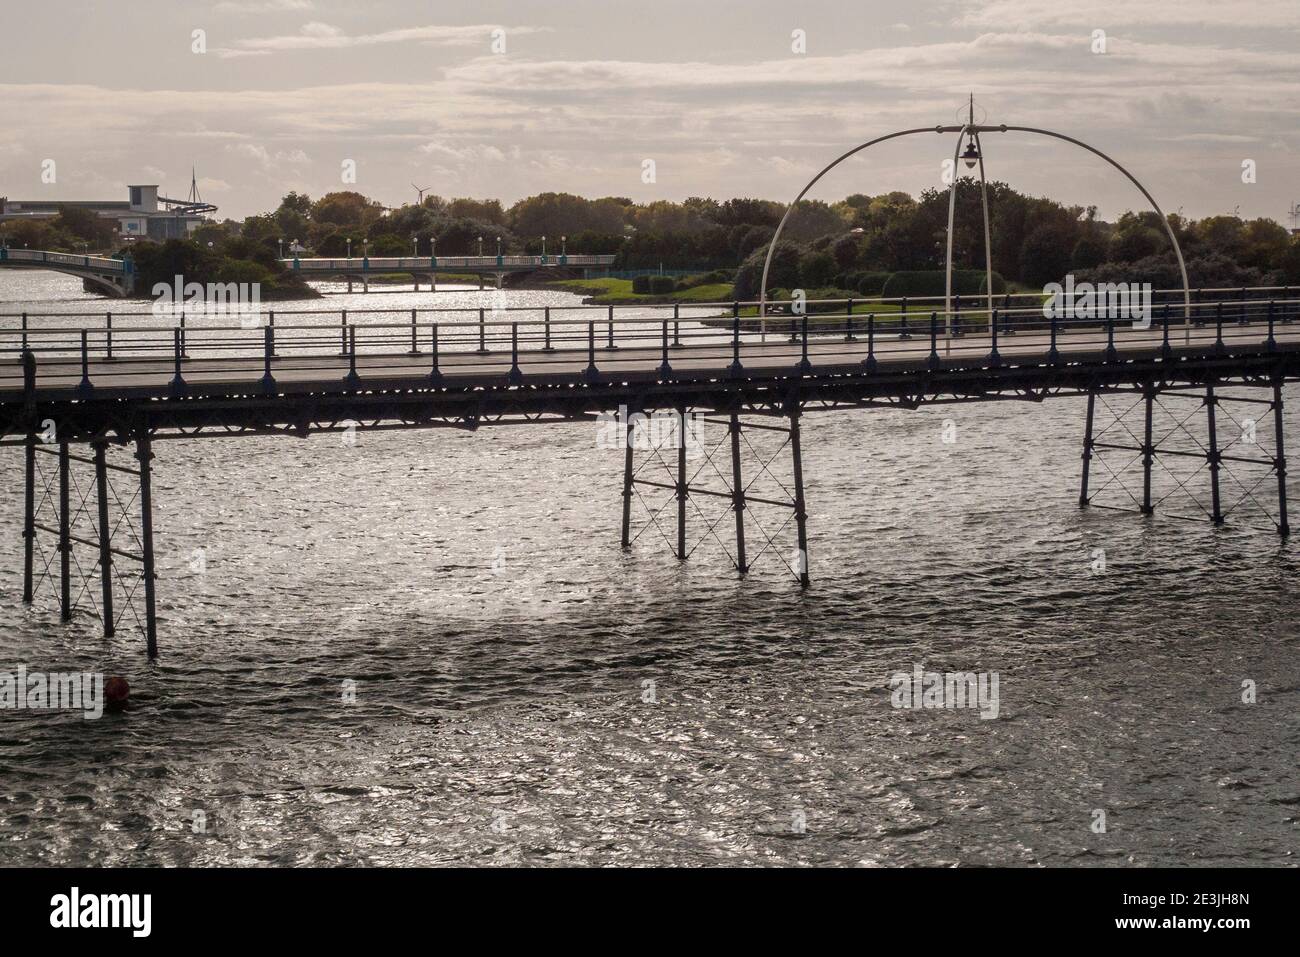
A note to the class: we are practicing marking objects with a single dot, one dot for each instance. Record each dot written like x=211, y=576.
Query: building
x=144, y=214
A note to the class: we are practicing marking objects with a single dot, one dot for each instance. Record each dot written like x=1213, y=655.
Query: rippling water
x=528, y=693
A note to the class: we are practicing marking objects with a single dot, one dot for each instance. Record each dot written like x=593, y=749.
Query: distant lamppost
x=564, y=246
x=349, y=241
x=415, y=245
x=365, y=248
x=281, y=242
x=480, y=246
x=498, y=247
x=543, y=249
x=293, y=247
x=433, y=247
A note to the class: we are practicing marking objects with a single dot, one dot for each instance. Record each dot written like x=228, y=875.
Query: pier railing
x=606, y=341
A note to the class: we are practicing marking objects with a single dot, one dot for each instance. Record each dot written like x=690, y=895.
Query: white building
x=144, y=215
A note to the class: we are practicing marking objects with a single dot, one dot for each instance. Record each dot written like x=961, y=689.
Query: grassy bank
x=618, y=292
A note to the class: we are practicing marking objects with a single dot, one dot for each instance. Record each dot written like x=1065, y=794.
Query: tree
x=346, y=208
x=85, y=225
x=1045, y=256
x=1089, y=252
x=816, y=270
x=484, y=210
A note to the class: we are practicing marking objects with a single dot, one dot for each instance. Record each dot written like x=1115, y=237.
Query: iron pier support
x=29, y=520
x=1087, y=448
x=144, y=455
x=1280, y=462
x=65, y=538
x=738, y=495
x=1148, y=450
x=627, y=482
x=681, y=484
x=1212, y=455
x=800, y=511
x=105, y=544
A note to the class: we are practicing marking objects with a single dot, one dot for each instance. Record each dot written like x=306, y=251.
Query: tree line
x=850, y=244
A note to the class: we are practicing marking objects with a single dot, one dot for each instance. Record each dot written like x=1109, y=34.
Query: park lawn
x=859, y=309
x=610, y=291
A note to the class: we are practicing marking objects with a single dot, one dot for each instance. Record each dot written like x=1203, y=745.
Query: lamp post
x=349, y=242
x=564, y=248
x=281, y=242
x=543, y=249
x=415, y=245
x=365, y=248
x=498, y=247
x=480, y=247
x=433, y=247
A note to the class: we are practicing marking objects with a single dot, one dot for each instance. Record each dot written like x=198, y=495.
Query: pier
x=104, y=394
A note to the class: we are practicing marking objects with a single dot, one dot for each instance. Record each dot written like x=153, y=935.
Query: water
x=472, y=587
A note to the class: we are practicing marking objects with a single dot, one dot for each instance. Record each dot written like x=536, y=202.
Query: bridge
x=366, y=267
x=121, y=387
x=116, y=277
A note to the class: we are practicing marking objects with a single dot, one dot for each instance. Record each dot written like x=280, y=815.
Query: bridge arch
x=112, y=276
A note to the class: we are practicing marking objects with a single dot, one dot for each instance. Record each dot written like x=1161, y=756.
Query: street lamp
x=564, y=246
x=543, y=249
x=972, y=154
x=349, y=241
x=415, y=245
x=498, y=247
x=480, y=246
x=281, y=242
x=365, y=248
x=433, y=247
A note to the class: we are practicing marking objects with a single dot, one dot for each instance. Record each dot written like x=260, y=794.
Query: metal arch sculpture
x=974, y=130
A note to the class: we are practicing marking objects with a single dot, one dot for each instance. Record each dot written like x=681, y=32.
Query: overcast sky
x=585, y=92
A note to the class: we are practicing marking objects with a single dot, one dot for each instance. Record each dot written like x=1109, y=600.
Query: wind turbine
x=419, y=193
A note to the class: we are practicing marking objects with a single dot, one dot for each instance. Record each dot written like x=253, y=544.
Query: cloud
x=243, y=7
x=480, y=153
x=324, y=36
x=1088, y=15
x=266, y=159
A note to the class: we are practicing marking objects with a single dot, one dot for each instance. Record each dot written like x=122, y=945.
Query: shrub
x=661, y=285
x=868, y=283
x=816, y=269
x=930, y=282
x=641, y=284
x=812, y=295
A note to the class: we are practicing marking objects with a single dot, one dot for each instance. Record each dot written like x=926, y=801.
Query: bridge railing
x=428, y=263
x=99, y=263
x=658, y=340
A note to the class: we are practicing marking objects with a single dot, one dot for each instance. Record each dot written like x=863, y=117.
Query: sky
x=508, y=99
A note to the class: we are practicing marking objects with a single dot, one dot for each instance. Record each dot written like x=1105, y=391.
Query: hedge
x=930, y=282
x=654, y=285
